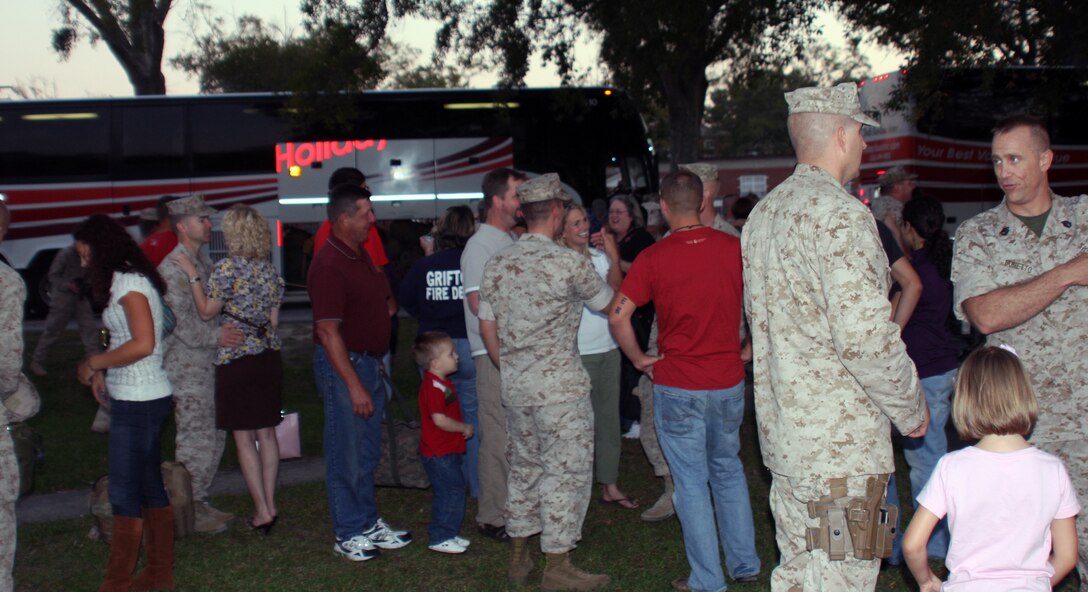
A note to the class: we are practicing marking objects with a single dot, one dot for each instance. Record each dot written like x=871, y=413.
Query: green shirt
x=1035, y=223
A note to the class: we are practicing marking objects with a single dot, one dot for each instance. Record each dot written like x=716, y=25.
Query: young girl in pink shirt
x=1011, y=507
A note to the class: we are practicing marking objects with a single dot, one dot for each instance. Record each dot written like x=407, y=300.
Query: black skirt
x=249, y=392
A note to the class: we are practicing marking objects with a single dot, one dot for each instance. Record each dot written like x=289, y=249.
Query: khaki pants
x=494, y=462
x=9, y=492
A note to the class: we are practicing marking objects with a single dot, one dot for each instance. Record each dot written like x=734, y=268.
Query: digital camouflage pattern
x=12, y=297
x=723, y=225
x=995, y=249
x=800, y=570
x=535, y=289
x=841, y=99
x=647, y=434
x=830, y=367
x=549, y=489
x=64, y=305
x=189, y=362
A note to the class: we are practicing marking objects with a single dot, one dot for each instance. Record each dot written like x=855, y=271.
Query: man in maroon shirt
x=351, y=334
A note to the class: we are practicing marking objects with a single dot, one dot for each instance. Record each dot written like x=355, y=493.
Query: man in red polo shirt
x=373, y=243
x=349, y=296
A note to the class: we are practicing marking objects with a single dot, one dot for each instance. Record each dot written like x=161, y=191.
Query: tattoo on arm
x=619, y=307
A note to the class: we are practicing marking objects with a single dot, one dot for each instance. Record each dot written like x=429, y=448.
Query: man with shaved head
x=831, y=372
x=1020, y=273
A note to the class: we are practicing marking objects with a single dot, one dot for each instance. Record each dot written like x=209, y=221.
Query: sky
x=92, y=71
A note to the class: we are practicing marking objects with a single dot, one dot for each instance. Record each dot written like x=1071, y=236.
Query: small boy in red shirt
x=442, y=440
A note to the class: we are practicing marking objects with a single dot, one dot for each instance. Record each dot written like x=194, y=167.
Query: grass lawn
x=298, y=555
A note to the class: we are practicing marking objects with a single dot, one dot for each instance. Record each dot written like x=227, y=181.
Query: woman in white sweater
x=130, y=380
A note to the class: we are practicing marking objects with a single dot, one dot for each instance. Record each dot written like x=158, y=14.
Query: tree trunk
x=685, y=93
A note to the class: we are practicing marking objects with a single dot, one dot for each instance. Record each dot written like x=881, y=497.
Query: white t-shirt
x=999, y=507
x=594, y=336
x=144, y=379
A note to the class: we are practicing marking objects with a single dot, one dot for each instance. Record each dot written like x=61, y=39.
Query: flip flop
x=625, y=503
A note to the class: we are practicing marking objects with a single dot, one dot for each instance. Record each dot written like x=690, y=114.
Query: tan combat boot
x=204, y=522
x=662, y=508
x=560, y=574
x=521, y=564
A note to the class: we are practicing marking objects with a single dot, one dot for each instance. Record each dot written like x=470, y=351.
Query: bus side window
x=153, y=143
x=54, y=144
x=235, y=137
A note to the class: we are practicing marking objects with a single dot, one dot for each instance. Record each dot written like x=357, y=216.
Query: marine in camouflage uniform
x=531, y=299
x=12, y=297
x=831, y=371
x=66, y=301
x=189, y=362
x=1037, y=282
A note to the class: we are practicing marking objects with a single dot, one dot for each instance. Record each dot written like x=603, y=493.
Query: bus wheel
x=37, y=287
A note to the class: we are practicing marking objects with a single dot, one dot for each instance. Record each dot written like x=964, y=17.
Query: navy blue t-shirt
x=432, y=293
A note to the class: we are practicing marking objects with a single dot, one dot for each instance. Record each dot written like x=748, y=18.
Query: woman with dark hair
x=139, y=395
x=246, y=289
x=930, y=345
x=626, y=225
x=432, y=292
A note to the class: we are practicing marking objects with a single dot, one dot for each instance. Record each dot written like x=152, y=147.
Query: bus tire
x=37, y=285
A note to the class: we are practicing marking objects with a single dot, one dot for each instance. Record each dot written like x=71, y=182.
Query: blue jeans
x=464, y=380
x=135, y=457
x=448, y=496
x=699, y=433
x=922, y=455
x=352, y=444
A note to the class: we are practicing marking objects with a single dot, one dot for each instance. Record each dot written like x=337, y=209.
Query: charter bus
x=948, y=145
x=422, y=151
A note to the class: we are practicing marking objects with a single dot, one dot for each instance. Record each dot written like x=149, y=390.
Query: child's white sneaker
x=448, y=546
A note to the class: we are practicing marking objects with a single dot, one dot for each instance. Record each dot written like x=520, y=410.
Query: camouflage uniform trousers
x=494, y=456
x=9, y=492
x=812, y=571
x=64, y=307
x=1075, y=456
x=647, y=431
x=551, y=472
x=198, y=445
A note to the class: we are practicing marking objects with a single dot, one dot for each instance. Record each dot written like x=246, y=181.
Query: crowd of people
x=539, y=346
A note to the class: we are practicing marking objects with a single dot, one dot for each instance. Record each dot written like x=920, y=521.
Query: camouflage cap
x=149, y=215
x=707, y=173
x=895, y=175
x=192, y=205
x=841, y=99
x=542, y=188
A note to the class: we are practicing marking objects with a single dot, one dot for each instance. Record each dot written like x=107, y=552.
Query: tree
x=936, y=35
x=132, y=29
x=748, y=112
x=658, y=50
x=260, y=58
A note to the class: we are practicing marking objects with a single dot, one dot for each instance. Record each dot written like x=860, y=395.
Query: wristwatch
x=194, y=279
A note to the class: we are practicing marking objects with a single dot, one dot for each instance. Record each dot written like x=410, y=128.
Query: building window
x=756, y=184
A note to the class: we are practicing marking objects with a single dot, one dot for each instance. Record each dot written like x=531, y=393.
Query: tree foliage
x=659, y=51
x=748, y=112
x=937, y=34
x=132, y=29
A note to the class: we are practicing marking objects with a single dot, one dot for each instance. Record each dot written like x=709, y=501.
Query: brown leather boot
x=521, y=564
x=560, y=574
x=158, y=574
x=124, y=551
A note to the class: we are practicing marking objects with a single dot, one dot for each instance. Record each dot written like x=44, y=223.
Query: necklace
x=688, y=227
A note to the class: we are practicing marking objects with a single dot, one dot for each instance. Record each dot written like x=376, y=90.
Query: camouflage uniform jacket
x=830, y=367
x=535, y=290
x=723, y=225
x=12, y=297
x=194, y=341
x=995, y=249
x=64, y=270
